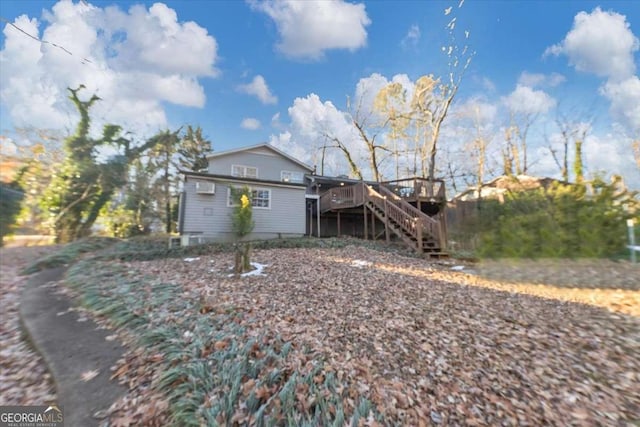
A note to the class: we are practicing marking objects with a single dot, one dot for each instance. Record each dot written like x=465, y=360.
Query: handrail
x=432, y=226
x=408, y=217
x=423, y=188
x=407, y=207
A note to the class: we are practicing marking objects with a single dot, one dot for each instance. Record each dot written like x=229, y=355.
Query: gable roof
x=263, y=145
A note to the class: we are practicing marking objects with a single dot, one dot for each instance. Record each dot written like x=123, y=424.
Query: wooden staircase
x=417, y=230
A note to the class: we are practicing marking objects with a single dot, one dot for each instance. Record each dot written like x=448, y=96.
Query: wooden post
x=339, y=224
x=366, y=228
x=386, y=221
x=443, y=230
x=318, y=212
x=373, y=225
x=419, y=235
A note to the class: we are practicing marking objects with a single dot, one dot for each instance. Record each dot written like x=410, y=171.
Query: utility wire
x=2, y=18
x=83, y=61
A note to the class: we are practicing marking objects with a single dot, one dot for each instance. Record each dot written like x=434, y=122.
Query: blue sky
x=237, y=68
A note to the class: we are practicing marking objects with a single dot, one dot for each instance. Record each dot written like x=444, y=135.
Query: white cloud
x=156, y=40
x=601, y=43
x=526, y=100
x=135, y=61
x=412, y=38
x=612, y=156
x=625, y=101
x=313, y=124
x=258, y=88
x=275, y=121
x=478, y=109
x=539, y=79
x=308, y=28
x=250, y=123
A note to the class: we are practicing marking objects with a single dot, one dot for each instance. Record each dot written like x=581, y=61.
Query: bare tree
x=479, y=148
x=339, y=144
x=515, y=152
x=368, y=135
x=390, y=104
x=572, y=133
x=431, y=100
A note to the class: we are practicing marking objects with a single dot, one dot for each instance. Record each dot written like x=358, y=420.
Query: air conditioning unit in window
x=203, y=187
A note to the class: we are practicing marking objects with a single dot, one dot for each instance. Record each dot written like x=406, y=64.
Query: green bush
x=563, y=221
x=10, y=199
x=69, y=253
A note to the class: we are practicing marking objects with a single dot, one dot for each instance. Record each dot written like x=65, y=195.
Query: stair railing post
x=373, y=225
x=419, y=226
x=366, y=228
x=386, y=219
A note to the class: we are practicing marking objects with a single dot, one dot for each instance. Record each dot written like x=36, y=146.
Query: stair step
x=427, y=245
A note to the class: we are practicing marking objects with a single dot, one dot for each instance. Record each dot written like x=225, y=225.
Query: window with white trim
x=260, y=198
x=242, y=171
x=290, y=176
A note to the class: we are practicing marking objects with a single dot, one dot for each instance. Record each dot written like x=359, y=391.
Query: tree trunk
x=242, y=258
x=578, y=167
x=246, y=258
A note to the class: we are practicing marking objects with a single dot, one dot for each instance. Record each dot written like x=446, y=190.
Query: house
x=289, y=200
x=277, y=183
x=497, y=188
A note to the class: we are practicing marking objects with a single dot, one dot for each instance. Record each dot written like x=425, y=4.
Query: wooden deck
x=416, y=229
x=417, y=189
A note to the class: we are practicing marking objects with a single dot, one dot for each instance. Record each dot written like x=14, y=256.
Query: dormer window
x=241, y=171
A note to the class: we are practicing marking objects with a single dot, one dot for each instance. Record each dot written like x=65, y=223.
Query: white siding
x=209, y=215
x=270, y=164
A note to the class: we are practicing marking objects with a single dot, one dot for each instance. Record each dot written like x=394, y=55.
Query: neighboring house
x=277, y=183
x=497, y=188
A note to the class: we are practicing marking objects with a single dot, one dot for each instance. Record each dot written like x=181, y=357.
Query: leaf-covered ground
x=402, y=341
x=333, y=336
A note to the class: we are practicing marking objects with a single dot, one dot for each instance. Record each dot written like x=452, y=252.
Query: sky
x=291, y=72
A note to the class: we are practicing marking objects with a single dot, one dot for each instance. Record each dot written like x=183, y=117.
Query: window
x=260, y=198
x=244, y=171
x=289, y=176
x=205, y=187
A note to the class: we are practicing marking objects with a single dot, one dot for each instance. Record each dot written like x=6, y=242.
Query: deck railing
x=411, y=220
x=342, y=197
x=419, y=188
x=429, y=225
